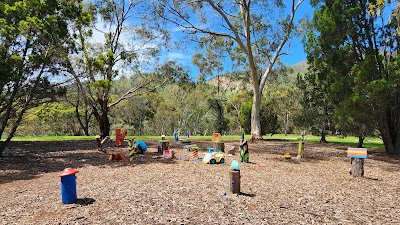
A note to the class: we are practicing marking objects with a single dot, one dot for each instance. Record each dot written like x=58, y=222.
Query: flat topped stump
x=357, y=156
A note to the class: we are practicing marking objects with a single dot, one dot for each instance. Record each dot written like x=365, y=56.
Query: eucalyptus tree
x=128, y=42
x=252, y=34
x=34, y=38
x=358, y=53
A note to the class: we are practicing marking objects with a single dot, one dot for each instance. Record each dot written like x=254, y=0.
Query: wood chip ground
x=314, y=190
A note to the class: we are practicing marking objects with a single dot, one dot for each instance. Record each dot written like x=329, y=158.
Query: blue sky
x=295, y=54
x=184, y=56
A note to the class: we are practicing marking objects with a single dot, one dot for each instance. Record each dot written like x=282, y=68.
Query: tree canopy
x=355, y=53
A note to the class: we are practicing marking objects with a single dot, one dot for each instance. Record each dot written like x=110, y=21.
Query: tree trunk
x=255, y=115
x=104, y=123
x=360, y=141
x=323, y=138
x=357, y=167
x=390, y=132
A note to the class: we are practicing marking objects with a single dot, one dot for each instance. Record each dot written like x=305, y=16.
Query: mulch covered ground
x=314, y=190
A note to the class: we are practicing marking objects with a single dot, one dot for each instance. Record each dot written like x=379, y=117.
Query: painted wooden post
x=244, y=151
x=234, y=181
x=119, y=137
x=357, y=156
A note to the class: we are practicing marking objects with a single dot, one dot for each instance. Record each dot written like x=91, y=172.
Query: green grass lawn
x=349, y=140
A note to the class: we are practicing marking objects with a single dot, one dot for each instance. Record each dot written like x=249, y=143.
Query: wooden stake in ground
x=234, y=181
x=357, y=156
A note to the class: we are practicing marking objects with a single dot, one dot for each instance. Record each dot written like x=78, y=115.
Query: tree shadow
x=32, y=159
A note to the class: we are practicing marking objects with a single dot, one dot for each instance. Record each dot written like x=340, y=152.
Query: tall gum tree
x=254, y=35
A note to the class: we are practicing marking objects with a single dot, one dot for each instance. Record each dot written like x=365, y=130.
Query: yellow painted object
x=216, y=137
x=287, y=155
x=301, y=148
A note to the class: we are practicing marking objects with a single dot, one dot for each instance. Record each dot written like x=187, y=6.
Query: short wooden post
x=234, y=181
x=162, y=145
x=357, y=156
x=219, y=146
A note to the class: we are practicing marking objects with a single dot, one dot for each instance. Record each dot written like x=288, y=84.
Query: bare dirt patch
x=314, y=190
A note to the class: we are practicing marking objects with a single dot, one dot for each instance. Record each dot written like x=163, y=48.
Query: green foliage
x=220, y=123
x=354, y=53
x=50, y=119
x=269, y=118
x=245, y=116
x=34, y=40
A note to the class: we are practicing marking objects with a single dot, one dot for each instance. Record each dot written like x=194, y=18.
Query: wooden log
x=234, y=181
x=357, y=167
x=219, y=146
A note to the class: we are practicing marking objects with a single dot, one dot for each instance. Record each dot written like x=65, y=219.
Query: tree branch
x=280, y=47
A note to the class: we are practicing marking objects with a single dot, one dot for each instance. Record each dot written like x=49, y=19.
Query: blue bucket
x=68, y=189
x=68, y=185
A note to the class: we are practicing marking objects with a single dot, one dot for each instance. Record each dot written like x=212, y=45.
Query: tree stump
x=162, y=145
x=219, y=146
x=234, y=181
x=357, y=167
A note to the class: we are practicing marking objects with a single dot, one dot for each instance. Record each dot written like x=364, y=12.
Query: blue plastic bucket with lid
x=68, y=185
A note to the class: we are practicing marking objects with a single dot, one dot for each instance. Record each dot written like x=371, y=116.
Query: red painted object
x=67, y=172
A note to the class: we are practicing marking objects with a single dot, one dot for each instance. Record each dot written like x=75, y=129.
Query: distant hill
x=225, y=82
x=300, y=67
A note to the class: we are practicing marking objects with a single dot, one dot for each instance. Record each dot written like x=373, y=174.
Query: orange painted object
x=287, y=155
x=216, y=137
x=119, y=137
x=67, y=172
x=115, y=156
x=195, y=155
